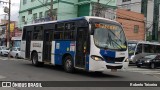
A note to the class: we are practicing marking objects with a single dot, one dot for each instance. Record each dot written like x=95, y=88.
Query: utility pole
x=51, y=11
x=144, y=6
x=155, y=20
x=97, y=8
x=9, y=14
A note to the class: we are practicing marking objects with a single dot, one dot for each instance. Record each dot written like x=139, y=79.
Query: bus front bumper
x=114, y=65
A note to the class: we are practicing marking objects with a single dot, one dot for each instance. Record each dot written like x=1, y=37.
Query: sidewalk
x=8, y=58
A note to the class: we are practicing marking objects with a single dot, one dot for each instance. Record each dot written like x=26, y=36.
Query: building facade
x=139, y=6
x=4, y=32
x=134, y=28
x=33, y=11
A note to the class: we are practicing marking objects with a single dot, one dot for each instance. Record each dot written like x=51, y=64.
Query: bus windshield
x=109, y=36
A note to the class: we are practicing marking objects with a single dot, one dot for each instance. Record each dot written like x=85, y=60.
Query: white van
x=139, y=49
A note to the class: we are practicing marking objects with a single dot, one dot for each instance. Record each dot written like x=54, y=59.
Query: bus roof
x=143, y=42
x=78, y=18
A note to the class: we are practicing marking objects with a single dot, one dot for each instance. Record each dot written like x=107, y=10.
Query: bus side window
x=157, y=49
x=37, y=34
x=69, y=32
x=24, y=34
x=146, y=48
x=152, y=49
x=59, y=30
x=139, y=49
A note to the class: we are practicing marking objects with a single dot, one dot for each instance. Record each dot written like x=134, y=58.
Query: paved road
x=22, y=70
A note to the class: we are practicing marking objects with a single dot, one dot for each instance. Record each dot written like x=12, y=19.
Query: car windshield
x=4, y=48
x=18, y=49
x=109, y=36
x=150, y=56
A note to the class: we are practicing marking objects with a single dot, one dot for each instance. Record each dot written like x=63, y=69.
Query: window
x=58, y=33
x=24, y=34
x=136, y=28
x=37, y=34
x=40, y=14
x=157, y=48
x=47, y=13
x=23, y=18
x=29, y=12
x=125, y=0
x=146, y=48
x=139, y=49
x=35, y=16
x=69, y=33
x=24, y=2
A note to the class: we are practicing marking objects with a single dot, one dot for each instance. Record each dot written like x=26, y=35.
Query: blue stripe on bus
x=61, y=48
x=108, y=53
x=87, y=63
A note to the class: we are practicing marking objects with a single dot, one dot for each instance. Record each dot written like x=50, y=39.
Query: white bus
x=139, y=49
x=87, y=43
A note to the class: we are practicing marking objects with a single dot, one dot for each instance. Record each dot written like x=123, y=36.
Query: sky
x=15, y=4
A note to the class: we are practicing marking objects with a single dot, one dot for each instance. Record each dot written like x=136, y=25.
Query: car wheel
x=16, y=56
x=68, y=64
x=1, y=53
x=35, y=61
x=152, y=66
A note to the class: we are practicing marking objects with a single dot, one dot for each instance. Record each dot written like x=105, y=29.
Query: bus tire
x=99, y=72
x=68, y=64
x=35, y=61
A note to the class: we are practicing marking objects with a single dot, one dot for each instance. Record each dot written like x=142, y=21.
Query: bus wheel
x=68, y=64
x=152, y=66
x=35, y=60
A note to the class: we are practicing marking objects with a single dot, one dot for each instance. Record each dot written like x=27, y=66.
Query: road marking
x=143, y=70
x=6, y=58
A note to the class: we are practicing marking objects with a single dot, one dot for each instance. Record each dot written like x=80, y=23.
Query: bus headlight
x=97, y=58
x=127, y=60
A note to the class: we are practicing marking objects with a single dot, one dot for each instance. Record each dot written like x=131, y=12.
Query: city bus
x=87, y=43
x=139, y=49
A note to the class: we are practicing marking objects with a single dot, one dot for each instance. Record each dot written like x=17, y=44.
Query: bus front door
x=47, y=44
x=28, y=42
x=81, y=41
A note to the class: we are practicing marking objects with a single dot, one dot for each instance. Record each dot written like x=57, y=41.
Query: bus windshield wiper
x=115, y=42
x=115, y=35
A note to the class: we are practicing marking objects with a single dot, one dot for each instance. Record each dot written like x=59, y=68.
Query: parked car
x=15, y=52
x=4, y=51
x=151, y=61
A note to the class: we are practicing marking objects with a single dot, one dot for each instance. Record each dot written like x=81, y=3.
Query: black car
x=151, y=61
